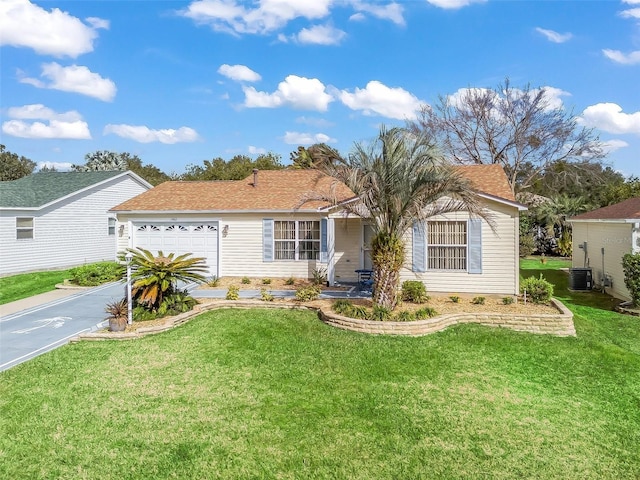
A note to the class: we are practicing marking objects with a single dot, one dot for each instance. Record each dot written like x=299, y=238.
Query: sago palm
x=154, y=277
x=399, y=178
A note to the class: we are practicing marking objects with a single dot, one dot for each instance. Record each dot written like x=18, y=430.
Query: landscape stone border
x=560, y=324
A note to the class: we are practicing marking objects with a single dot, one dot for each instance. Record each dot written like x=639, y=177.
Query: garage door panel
x=199, y=239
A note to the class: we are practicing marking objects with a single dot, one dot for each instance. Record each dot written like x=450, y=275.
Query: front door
x=367, y=236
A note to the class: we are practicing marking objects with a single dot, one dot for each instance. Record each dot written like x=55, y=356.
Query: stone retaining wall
x=560, y=324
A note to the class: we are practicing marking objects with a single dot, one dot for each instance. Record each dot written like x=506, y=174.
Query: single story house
x=52, y=220
x=600, y=239
x=263, y=227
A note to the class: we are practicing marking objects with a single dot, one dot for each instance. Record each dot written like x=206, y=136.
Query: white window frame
x=297, y=241
x=23, y=228
x=449, y=259
x=112, y=225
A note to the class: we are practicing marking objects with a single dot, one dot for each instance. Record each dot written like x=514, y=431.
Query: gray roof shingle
x=41, y=188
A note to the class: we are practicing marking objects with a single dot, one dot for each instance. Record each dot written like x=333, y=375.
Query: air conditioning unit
x=580, y=279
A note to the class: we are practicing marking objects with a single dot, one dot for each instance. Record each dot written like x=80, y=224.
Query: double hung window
x=447, y=245
x=296, y=240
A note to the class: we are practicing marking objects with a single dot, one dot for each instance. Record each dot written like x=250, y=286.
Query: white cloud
x=37, y=111
x=378, y=99
x=59, y=166
x=391, y=11
x=630, y=13
x=54, y=32
x=612, y=145
x=552, y=96
x=239, y=73
x=358, y=17
x=295, y=92
x=143, y=134
x=76, y=79
x=624, y=58
x=553, y=36
x=98, y=23
x=59, y=125
x=53, y=129
x=321, y=35
x=256, y=150
x=453, y=4
x=610, y=118
x=231, y=16
x=297, y=138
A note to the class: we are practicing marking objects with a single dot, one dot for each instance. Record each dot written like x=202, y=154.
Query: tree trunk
x=387, y=254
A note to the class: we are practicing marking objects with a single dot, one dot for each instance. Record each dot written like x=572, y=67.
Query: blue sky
x=180, y=82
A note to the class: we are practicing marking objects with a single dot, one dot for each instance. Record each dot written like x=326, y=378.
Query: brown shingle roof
x=489, y=179
x=281, y=190
x=626, y=210
x=275, y=190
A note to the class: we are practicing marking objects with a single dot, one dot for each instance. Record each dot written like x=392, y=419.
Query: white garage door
x=197, y=238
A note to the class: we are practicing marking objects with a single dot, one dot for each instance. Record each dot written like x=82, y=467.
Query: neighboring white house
x=262, y=227
x=602, y=237
x=51, y=220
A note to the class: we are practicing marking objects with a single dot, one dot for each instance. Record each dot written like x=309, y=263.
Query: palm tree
x=399, y=178
x=156, y=277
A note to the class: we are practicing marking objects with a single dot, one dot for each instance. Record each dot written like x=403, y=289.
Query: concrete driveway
x=38, y=328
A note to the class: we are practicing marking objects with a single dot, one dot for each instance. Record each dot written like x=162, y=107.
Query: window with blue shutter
x=267, y=240
x=475, y=245
x=419, y=247
x=324, y=258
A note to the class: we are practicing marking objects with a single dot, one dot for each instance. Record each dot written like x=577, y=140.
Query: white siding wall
x=500, y=274
x=615, y=238
x=67, y=234
x=241, y=250
x=348, y=255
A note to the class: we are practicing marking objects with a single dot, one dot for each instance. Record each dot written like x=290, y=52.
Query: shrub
x=454, y=298
x=478, y=300
x=306, y=294
x=266, y=281
x=414, y=291
x=538, y=290
x=233, y=293
x=507, y=300
x=358, y=311
x=527, y=245
x=404, y=316
x=631, y=268
x=176, y=303
x=319, y=276
x=265, y=295
x=96, y=273
x=425, y=312
x=118, y=314
x=290, y=281
x=213, y=281
x=342, y=306
x=245, y=280
x=380, y=313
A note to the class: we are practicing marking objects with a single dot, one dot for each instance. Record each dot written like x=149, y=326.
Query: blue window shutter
x=475, y=245
x=323, y=241
x=419, y=263
x=267, y=240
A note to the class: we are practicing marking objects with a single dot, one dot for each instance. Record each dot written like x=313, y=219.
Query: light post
x=128, y=258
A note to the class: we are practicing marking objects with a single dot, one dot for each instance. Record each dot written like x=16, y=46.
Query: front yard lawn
x=278, y=394
x=17, y=287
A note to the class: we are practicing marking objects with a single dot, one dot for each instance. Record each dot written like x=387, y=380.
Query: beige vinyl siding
x=499, y=258
x=68, y=233
x=240, y=251
x=615, y=238
x=348, y=250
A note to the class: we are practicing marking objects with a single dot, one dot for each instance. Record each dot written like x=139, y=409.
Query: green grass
x=277, y=394
x=17, y=287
